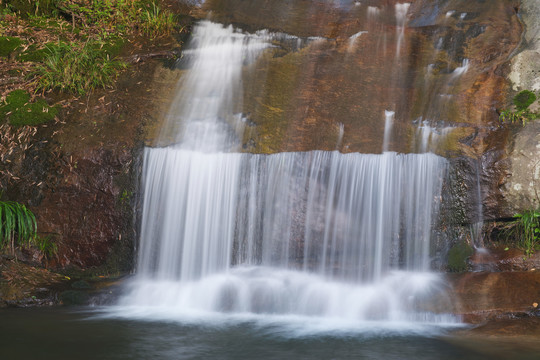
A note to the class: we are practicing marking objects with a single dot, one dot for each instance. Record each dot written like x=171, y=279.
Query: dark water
x=85, y=333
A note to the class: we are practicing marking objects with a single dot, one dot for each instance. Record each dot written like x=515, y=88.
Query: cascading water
x=319, y=234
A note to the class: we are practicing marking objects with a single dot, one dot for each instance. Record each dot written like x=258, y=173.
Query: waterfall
x=401, y=17
x=343, y=216
x=388, y=124
x=313, y=233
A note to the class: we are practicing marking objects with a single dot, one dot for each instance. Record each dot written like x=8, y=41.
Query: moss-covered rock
x=111, y=47
x=8, y=45
x=20, y=111
x=74, y=297
x=458, y=256
x=81, y=285
x=33, y=114
x=15, y=100
x=36, y=54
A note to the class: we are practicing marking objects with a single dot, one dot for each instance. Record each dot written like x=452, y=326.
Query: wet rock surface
x=444, y=69
x=490, y=295
x=443, y=76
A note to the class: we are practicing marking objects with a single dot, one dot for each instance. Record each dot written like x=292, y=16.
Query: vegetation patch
x=18, y=227
x=20, y=111
x=525, y=229
x=76, y=69
x=26, y=8
x=122, y=16
x=156, y=22
x=522, y=115
x=46, y=246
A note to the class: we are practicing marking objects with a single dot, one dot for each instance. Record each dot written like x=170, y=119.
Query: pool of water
x=109, y=333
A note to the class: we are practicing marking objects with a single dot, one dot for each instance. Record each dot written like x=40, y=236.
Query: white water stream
x=317, y=234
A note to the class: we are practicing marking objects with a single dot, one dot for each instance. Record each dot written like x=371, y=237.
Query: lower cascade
x=315, y=234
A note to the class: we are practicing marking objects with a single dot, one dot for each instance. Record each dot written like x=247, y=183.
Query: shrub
x=76, y=69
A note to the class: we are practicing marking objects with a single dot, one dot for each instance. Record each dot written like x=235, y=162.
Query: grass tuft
x=76, y=69
x=156, y=22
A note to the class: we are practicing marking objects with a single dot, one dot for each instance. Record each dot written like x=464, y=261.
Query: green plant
x=522, y=101
x=45, y=245
x=156, y=22
x=17, y=225
x=76, y=69
x=125, y=197
x=525, y=229
x=26, y=8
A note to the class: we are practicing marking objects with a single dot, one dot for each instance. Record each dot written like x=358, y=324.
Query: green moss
x=17, y=98
x=33, y=114
x=37, y=54
x=9, y=44
x=524, y=99
x=458, y=255
x=111, y=47
x=81, y=284
x=33, y=54
x=74, y=297
x=20, y=111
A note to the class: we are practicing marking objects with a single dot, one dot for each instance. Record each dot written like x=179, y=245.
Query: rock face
x=437, y=66
x=80, y=175
x=525, y=74
x=522, y=187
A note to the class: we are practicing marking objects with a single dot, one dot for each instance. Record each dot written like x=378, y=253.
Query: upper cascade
x=206, y=114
